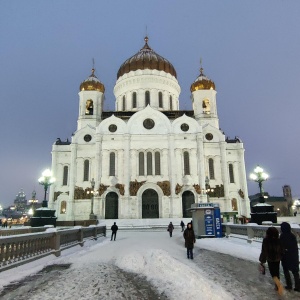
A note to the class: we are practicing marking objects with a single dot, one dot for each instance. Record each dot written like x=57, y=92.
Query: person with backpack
x=271, y=252
x=290, y=257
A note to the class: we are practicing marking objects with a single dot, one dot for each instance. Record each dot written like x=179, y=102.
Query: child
x=271, y=252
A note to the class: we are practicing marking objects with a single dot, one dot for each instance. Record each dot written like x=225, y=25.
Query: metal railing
x=252, y=232
x=19, y=249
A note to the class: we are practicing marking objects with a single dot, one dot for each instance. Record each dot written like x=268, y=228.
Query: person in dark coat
x=114, y=230
x=271, y=252
x=290, y=258
x=170, y=228
x=182, y=226
x=190, y=240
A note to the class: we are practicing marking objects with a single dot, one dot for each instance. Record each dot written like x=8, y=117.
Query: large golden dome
x=146, y=58
x=92, y=83
x=202, y=83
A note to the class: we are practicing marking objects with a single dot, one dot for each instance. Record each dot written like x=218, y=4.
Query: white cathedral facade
x=148, y=158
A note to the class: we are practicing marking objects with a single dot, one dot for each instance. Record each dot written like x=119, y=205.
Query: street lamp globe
x=46, y=180
x=259, y=176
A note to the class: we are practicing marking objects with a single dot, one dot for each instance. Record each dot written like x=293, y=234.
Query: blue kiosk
x=206, y=220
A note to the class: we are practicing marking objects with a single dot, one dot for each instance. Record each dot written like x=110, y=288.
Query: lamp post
x=93, y=192
x=259, y=176
x=46, y=180
x=207, y=188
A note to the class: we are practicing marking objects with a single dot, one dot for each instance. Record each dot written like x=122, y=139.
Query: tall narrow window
x=65, y=175
x=186, y=163
x=231, y=175
x=147, y=98
x=89, y=107
x=112, y=164
x=134, y=100
x=86, y=170
x=171, y=103
x=63, y=207
x=149, y=163
x=211, y=168
x=157, y=163
x=234, y=204
x=160, y=99
x=141, y=164
x=124, y=102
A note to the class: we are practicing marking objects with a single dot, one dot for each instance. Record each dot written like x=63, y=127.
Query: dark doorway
x=188, y=199
x=150, y=204
x=111, y=206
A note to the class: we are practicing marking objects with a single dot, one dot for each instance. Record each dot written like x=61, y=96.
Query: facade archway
x=188, y=199
x=111, y=205
x=150, y=207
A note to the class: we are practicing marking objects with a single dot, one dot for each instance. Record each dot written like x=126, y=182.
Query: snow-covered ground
x=146, y=265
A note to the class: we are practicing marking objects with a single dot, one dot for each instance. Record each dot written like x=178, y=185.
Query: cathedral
x=148, y=158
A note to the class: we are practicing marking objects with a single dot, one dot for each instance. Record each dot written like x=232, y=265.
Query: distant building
x=20, y=201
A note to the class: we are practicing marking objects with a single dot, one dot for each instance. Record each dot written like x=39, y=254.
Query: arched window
x=112, y=164
x=124, y=103
x=186, y=163
x=149, y=163
x=86, y=170
x=141, y=164
x=234, y=205
x=157, y=163
x=171, y=103
x=65, y=175
x=63, y=207
x=89, y=107
x=231, y=175
x=211, y=168
x=147, y=98
x=160, y=99
x=134, y=100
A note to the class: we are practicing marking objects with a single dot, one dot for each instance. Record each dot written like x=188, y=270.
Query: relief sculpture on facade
x=102, y=189
x=178, y=188
x=134, y=187
x=241, y=193
x=197, y=188
x=56, y=194
x=218, y=191
x=165, y=186
x=121, y=188
x=80, y=193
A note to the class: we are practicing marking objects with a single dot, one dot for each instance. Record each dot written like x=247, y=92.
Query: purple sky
x=251, y=49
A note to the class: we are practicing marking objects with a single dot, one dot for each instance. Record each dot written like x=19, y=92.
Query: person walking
x=290, y=257
x=190, y=240
x=271, y=252
x=114, y=228
x=170, y=228
x=182, y=226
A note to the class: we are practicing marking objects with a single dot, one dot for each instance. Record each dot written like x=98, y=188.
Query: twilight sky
x=250, y=49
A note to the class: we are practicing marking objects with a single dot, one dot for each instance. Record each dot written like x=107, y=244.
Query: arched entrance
x=188, y=199
x=150, y=204
x=111, y=206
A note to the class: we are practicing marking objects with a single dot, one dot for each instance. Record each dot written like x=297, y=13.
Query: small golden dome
x=202, y=83
x=92, y=83
x=146, y=58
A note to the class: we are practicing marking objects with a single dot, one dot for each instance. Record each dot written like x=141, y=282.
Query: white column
x=224, y=174
x=72, y=182
x=172, y=171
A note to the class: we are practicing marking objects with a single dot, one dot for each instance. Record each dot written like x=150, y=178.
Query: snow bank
x=169, y=276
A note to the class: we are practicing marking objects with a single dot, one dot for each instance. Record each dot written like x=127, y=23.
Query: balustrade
x=22, y=248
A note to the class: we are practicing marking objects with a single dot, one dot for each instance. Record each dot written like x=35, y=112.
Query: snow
x=96, y=268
